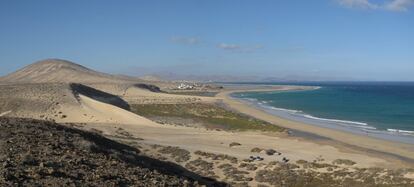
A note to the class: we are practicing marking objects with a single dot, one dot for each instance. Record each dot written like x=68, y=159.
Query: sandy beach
x=375, y=145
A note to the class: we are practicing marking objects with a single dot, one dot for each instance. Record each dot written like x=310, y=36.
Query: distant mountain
x=57, y=70
x=151, y=78
x=198, y=78
x=243, y=78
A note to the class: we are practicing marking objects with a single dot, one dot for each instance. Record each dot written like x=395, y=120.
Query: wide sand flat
x=194, y=139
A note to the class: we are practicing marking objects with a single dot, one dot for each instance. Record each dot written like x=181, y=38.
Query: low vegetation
x=256, y=150
x=282, y=174
x=209, y=115
x=344, y=162
x=213, y=156
x=270, y=152
x=195, y=93
x=179, y=155
x=201, y=167
x=233, y=144
x=234, y=174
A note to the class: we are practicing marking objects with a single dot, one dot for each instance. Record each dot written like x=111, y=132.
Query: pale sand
x=194, y=139
x=93, y=111
x=109, y=118
x=401, y=149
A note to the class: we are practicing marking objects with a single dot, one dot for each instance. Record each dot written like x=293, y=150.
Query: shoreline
x=390, y=148
x=354, y=127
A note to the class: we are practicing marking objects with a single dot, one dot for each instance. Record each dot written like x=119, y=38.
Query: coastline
x=337, y=137
x=354, y=127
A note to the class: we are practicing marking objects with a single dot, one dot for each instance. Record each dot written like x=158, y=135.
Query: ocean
x=379, y=109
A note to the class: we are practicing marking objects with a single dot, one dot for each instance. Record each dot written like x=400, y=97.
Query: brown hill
x=63, y=71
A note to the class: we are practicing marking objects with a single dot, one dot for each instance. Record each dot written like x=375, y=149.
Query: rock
x=29, y=160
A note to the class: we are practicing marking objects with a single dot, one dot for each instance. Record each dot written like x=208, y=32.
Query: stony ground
x=261, y=172
x=40, y=153
x=316, y=173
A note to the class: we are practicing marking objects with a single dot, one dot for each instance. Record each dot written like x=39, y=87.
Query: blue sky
x=334, y=39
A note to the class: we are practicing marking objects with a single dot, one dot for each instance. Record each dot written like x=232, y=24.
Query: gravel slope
x=34, y=152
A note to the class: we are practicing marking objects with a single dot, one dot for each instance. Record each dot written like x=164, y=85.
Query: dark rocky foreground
x=40, y=153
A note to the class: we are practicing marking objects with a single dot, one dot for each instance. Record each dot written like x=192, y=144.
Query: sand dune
x=65, y=103
x=93, y=111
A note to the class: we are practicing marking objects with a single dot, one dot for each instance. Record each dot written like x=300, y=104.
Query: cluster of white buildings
x=184, y=86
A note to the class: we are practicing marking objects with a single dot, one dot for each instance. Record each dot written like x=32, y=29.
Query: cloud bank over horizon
x=391, y=5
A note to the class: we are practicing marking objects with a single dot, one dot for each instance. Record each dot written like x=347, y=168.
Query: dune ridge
x=63, y=103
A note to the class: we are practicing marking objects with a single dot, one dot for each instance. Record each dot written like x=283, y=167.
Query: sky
x=332, y=39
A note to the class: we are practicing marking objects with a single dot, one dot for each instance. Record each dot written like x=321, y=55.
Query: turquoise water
x=369, y=106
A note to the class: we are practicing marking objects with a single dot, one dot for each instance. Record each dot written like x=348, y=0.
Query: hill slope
x=56, y=70
x=40, y=153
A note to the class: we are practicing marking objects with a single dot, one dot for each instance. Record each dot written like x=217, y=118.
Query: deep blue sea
x=385, y=108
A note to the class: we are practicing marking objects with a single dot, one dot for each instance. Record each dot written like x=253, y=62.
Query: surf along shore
x=345, y=141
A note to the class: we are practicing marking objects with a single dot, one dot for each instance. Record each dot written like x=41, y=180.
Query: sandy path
x=5, y=113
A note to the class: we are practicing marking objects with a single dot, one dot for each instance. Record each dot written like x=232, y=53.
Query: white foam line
x=336, y=120
x=286, y=110
x=322, y=119
x=400, y=131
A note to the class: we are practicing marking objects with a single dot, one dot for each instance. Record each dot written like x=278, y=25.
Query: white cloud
x=185, y=40
x=238, y=48
x=390, y=5
x=399, y=5
x=229, y=46
x=358, y=4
